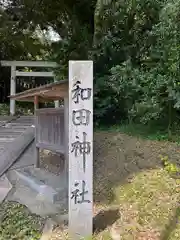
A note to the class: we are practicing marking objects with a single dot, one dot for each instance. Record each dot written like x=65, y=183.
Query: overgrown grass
x=149, y=208
x=151, y=132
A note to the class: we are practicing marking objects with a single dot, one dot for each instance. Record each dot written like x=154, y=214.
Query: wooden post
x=37, y=157
x=36, y=104
x=13, y=90
x=66, y=140
x=80, y=149
x=56, y=103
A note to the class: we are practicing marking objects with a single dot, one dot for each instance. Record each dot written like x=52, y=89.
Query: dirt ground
x=116, y=151
x=128, y=180
x=118, y=157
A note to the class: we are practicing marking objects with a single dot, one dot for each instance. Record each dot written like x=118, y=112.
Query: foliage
x=134, y=45
x=138, y=53
x=120, y=44
x=21, y=109
x=17, y=41
x=171, y=168
x=17, y=223
x=4, y=109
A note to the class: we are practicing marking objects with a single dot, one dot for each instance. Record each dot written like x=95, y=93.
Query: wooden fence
x=50, y=129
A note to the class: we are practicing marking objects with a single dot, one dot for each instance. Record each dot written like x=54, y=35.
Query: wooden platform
x=16, y=133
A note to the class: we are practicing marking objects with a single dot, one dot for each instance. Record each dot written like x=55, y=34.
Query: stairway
x=12, y=128
x=42, y=192
x=15, y=137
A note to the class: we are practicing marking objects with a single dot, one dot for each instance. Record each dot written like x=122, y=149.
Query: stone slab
x=48, y=187
x=5, y=187
x=26, y=159
x=58, y=182
x=15, y=149
x=26, y=196
x=44, y=192
x=6, y=119
x=25, y=192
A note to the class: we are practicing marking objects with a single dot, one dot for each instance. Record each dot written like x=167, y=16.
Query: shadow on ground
x=104, y=219
x=117, y=157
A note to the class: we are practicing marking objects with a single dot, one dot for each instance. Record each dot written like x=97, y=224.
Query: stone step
x=24, y=120
x=58, y=182
x=34, y=192
x=9, y=135
x=17, y=128
x=27, y=120
x=44, y=191
x=7, y=118
x=9, y=131
x=2, y=145
x=28, y=197
x=49, y=187
x=25, y=123
x=19, y=124
x=6, y=138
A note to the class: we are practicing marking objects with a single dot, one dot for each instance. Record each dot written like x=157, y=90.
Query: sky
x=52, y=35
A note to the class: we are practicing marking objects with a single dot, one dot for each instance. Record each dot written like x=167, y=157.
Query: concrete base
x=42, y=192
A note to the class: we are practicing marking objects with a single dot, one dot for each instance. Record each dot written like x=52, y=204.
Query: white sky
x=52, y=35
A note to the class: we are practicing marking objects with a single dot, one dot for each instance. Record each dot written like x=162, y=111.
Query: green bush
x=145, y=85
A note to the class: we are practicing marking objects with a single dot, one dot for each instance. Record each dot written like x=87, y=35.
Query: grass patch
x=148, y=207
x=16, y=223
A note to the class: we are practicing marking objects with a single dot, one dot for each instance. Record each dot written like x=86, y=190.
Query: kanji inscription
x=79, y=195
x=79, y=93
x=80, y=148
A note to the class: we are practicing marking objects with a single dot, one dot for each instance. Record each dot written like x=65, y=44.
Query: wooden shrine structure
x=50, y=123
x=16, y=73
x=69, y=130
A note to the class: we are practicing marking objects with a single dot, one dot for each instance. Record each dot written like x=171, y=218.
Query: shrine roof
x=46, y=93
